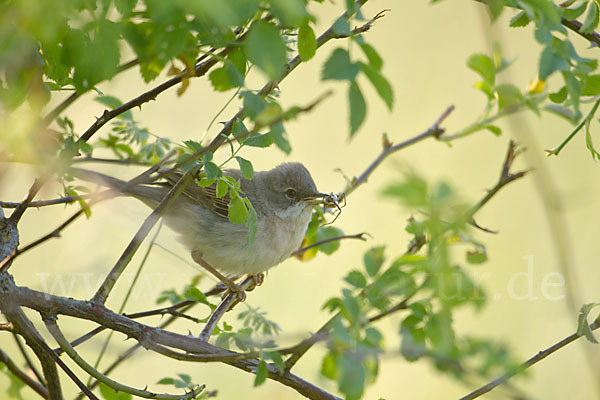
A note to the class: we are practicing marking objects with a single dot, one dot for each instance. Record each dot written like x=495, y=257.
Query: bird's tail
x=148, y=194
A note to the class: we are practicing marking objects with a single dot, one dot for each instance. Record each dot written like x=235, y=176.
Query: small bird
x=282, y=197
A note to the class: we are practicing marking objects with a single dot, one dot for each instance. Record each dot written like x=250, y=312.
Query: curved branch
x=434, y=130
x=532, y=361
x=146, y=335
x=119, y=387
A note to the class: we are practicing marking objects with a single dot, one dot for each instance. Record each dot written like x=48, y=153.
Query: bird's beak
x=315, y=199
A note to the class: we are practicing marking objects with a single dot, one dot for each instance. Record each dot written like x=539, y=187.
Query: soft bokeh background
x=425, y=48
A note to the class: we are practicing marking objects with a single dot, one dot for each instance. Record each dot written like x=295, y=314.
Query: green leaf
x=212, y=170
x=508, y=95
x=329, y=366
x=237, y=211
x=275, y=356
x=280, y=137
x=573, y=86
x=413, y=342
x=245, y=167
x=226, y=77
x=251, y=223
x=352, y=378
x=381, y=84
x=561, y=95
x=239, y=130
x=494, y=129
x=222, y=188
x=193, y=293
x=495, y=8
x=266, y=49
x=588, y=134
x=339, y=67
x=551, y=62
x=350, y=307
x=583, y=327
x=591, y=86
x=108, y=101
x=358, y=108
x=356, y=279
x=476, y=256
x=373, y=260
x=574, y=11
x=328, y=232
x=95, y=59
x=238, y=59
x=253, y=103
x=547, y=10
x=111, y=394
x=520, y=20
x=341, y=26
x=373, y=56
x=560, y=111
x=15, y=387
x=125, y=7
x=263, y=140
x=307, y=42
x=290, y=12
x=484, y=66
x=591, y=19
x=261, y=373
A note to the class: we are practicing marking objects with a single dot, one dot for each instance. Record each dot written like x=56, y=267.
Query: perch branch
x=51, y=305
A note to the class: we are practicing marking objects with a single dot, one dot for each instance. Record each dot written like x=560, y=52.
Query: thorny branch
x=249, y=365
x=434, y=130
x=505, y=178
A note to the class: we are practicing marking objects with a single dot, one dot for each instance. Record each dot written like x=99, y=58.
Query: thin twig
x=533, y=360
x=27, y=359
x=31, y=193
x=55, y=233
x=44, y=203
x=23, y=377
x=126, y=299
x=506, y=176
x=225, y=305
x=434, y=130
x=359, y=236
x=136, y=241
x=97, y=198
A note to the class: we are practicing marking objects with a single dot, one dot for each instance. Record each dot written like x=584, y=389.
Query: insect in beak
x=316, y=199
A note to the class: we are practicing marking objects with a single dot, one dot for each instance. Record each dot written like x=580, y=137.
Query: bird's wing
x=204, y=196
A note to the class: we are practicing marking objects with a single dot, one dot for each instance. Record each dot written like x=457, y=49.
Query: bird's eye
x=290, y=193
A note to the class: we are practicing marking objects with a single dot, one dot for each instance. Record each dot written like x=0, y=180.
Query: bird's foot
x=257, y=280
x=234, y=290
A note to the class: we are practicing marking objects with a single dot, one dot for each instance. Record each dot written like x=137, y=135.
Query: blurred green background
x=425, y=48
